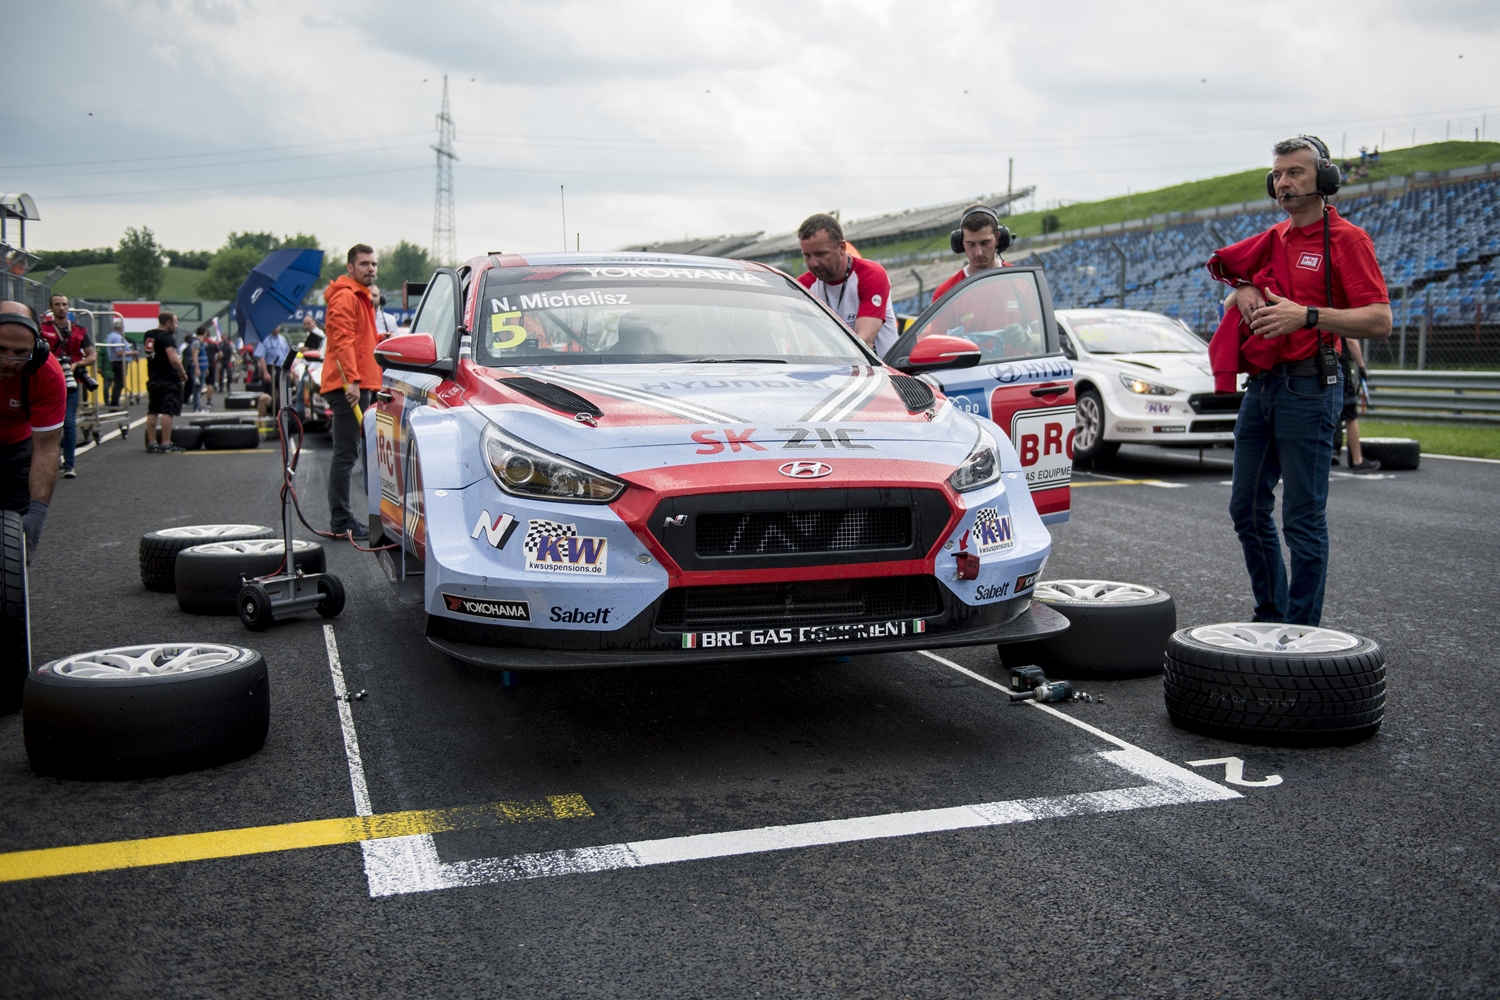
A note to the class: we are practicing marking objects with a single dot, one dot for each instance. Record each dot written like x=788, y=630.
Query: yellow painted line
x=53, y=861
x=1118, y=482
x=233, y=451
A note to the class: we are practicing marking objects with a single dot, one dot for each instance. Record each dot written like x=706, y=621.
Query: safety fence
x=1431, y=333
x=1442, y=396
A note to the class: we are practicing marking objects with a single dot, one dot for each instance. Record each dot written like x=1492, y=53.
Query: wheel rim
x=255, y=547
x=1089, y=422
x=124, y=662
x=1092, y=591
x=209, y=530
x=1270, y=637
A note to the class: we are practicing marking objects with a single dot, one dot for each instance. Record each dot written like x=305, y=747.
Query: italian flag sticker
x=690, y=640
x=918, y=625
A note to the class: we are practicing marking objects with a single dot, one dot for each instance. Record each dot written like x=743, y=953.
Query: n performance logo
x=496, y=532
x=558, y=548
x=510, y=611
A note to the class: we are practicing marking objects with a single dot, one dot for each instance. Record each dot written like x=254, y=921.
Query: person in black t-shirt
x=164, y=378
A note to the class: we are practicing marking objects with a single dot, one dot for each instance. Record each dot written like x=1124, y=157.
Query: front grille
x=804, y=602
x=1212, y=402
x=769, y=531
x=1211, y=426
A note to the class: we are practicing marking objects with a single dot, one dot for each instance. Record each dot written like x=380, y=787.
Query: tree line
x=143, y=261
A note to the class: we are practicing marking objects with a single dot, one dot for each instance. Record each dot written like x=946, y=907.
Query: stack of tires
x=216, y=437
x=1115, y=630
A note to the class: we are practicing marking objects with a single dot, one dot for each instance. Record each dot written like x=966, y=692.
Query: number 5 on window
x=499, y=323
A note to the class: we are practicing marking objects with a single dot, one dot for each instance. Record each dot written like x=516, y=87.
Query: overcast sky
x=197, y=117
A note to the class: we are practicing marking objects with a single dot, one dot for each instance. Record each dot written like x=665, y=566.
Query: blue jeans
x=1285, y=431
x=70, y=430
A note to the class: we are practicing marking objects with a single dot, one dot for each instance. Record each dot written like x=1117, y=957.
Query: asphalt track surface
x=1369, y=871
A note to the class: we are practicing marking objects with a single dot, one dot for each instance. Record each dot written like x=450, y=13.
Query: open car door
x=1022, y=380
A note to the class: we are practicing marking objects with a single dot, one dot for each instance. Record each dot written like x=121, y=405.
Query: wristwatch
x=1312, y=318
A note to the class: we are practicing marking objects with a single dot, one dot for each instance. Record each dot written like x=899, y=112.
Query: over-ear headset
x=1003, y=238
x=39, y=348
x=1328, y=179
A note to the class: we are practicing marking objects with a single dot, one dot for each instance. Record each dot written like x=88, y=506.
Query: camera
x=82, y=377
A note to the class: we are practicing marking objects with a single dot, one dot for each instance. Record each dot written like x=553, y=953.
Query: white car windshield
x=635, y=314
x=1135, y=335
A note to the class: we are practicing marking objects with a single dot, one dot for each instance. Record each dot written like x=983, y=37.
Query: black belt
x=1307, y=366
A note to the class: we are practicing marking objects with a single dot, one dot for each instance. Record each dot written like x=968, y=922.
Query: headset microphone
x=1327, y=177
x=1003, y=237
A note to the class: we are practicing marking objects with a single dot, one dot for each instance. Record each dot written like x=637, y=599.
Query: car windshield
x=1002, y=313
x=634, y=314
x=1135, y=335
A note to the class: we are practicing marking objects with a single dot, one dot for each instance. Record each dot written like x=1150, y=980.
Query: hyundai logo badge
x=805, y=470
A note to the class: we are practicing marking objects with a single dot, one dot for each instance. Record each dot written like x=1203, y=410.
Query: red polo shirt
x=1357, y=280
x=963, y=273
x=48, y=397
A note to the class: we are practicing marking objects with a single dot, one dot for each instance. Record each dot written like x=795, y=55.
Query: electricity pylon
x=444, y=238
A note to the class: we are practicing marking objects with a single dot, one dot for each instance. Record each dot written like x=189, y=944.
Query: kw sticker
x=992, y=531
x=552, y=547
x=496, y=533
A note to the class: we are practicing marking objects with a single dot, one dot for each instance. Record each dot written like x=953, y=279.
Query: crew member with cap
x=33, y=403
x=858, y=290
x=980, y=238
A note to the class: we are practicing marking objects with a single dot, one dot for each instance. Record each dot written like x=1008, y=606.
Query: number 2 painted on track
x=1234, y=772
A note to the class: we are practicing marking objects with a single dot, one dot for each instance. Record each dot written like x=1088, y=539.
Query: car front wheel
x=1088, y=439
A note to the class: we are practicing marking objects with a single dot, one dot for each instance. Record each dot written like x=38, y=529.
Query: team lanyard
x=843, y=286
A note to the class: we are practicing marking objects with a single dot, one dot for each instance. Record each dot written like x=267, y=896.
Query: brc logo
x=1310, y=261
x=1050, y=442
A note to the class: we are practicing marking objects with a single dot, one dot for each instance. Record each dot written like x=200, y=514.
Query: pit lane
x=1363, y=873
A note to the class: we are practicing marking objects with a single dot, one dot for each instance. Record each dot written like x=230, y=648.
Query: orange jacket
x=349, y=350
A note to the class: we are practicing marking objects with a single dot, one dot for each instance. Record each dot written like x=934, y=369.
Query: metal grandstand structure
x=444, y=235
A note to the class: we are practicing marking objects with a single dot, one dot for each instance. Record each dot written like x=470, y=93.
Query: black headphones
x=39, y=349
x=1003, y=238
x=1329, y=177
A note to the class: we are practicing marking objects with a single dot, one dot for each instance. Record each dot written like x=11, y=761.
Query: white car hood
x=1189, y=372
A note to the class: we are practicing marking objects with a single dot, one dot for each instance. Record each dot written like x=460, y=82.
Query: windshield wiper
x=718, y=361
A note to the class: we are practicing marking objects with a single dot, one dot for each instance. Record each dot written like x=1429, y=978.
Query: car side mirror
x=411, y=352
x=939, y=352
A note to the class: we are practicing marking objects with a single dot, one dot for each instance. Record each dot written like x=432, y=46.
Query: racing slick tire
x=1275, y=685
x=332, y=589
x=1091, y=418
x=139, y=711
x=1392, y=453
x=241, y=400
x=218, y=437
x=189, y=438
x=210, y=577
x=15, y=613
x=158, y=554
x=1115, y=630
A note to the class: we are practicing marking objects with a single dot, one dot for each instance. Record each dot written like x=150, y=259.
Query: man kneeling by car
x=33, y=401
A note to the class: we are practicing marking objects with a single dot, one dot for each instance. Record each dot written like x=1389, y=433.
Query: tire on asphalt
x=15, y=613
x=225, y=436
x=1392, y=453
x=209, y=577
x=1115, y=630
x=187, y=437
x=1091, y=420
x=241, y=400
x=158, y=553
x=1275, y=685
x=139, y=711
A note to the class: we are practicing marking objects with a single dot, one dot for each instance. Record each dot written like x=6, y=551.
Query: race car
x=593, y=460
x=1142, y=378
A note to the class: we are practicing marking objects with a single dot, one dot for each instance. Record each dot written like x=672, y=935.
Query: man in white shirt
x=858, y=290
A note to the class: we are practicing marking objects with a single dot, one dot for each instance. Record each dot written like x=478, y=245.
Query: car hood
x=1191, y=372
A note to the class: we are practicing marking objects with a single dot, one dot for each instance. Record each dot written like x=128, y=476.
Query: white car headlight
x=981, y=468
x=525, y=470
x=1145, y=388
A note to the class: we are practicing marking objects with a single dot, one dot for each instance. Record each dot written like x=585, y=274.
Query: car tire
x=1275, y=685
x=210, y=577
x=1088, y=438
x=140, y=711
x=158, y=551
x=1392, y=453
x=1115, y=630
x=241, y=400
x=189, y=438
x=15, y=613
x=221, y=437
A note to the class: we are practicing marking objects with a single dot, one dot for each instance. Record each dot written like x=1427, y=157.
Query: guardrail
x=1447, y=397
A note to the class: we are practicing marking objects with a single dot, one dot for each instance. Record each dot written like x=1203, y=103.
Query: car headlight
x=525, y=470
x=1145, y=388
x=981, y=468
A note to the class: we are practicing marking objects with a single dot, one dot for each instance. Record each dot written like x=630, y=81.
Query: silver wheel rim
x=1089, y=422
x=255, y=547
x=124, y=662
x=1092, y=591
x=210, y=530
x=1267, y=637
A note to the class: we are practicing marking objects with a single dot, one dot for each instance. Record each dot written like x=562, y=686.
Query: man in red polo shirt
x=33, y=403
x=1303, y=285
x=982, y=238
x=858, y=290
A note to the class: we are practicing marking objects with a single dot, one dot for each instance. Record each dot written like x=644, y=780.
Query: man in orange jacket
x=350, y=377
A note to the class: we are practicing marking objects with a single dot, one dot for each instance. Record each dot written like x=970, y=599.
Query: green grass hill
x=100, y=282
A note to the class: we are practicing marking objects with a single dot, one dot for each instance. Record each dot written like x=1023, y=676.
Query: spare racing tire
x=209, y=577
x=15, y=613
x=223, y=436
x=188, y=438
x=1277, y=685
x=1115, y=630
x=139, y=711
x=1392, y=453
x=241, y=400
x=158, y=554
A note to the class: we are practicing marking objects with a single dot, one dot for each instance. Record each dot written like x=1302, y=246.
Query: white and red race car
x=591, y=460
